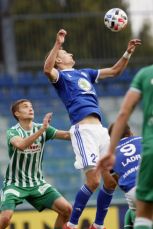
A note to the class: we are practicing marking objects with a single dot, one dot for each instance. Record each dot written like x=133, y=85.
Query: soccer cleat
x=92, y=227
x=67, y=227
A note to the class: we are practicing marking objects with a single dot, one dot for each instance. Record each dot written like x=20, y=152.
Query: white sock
x=139, y=221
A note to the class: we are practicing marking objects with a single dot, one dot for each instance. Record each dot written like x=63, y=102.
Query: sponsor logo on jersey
x=34, y=148
x=132, y=170
x=84, y=84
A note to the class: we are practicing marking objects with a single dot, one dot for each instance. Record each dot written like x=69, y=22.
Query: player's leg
x=144, y=215
x=45, y=196
x=5, y=218
x=131, y=198
x=106, y=192
x=144, y=191
x=84, y=141
x=103, y=199
x=130, y=214
x=64, y=209
x=129, y=219
x=10, y=197
x=82, y=197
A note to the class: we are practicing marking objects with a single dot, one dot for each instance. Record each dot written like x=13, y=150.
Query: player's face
x=25, y=111
x=66, y=58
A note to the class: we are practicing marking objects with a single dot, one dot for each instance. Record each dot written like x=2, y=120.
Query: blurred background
x=27, y=32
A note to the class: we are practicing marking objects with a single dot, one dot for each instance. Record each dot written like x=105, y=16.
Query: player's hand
x=106, y=163
x=60, y=38
x=47, y=120
x=133, y=44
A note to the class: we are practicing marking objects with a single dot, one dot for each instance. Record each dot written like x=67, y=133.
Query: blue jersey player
x=75, y=88
x=128, y=156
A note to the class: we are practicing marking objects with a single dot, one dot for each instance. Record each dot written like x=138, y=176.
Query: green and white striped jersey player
x=25, y=166
x=24, y=179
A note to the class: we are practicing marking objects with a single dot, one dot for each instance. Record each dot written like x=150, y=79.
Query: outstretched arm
x=62, y=134
x=121, y=64
x=49, y=64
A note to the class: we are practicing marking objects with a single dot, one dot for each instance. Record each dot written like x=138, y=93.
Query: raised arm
x=121, y=64
x=22, y=143
x=50, y=61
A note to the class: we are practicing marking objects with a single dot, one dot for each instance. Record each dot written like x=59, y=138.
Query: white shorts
x=131, y=199
x=89, y=142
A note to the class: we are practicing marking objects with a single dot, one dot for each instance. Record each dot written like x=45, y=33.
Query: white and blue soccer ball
x=116, y=19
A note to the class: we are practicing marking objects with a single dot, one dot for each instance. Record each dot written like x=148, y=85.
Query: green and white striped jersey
x=25, y=167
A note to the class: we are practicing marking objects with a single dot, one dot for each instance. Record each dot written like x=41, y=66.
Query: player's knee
x=111, y=185
x=92, y=180
x=93, y=184
x=5, y=221
x=67, y=212
x=5, y=218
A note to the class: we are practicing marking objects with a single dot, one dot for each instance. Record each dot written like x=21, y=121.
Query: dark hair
x=15, y=106
x=127, y=131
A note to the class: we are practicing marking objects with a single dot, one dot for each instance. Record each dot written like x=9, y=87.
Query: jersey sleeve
x=11, y=133
x=60, y=82
x=50, y=133
x=137, y=82
x=93, y=74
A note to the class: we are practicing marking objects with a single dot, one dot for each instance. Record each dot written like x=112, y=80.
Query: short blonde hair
x=55, y=65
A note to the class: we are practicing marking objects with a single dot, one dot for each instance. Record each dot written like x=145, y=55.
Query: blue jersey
x=75, y=88
x=127, y=161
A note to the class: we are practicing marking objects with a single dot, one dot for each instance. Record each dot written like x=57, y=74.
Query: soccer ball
x=115, y=19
